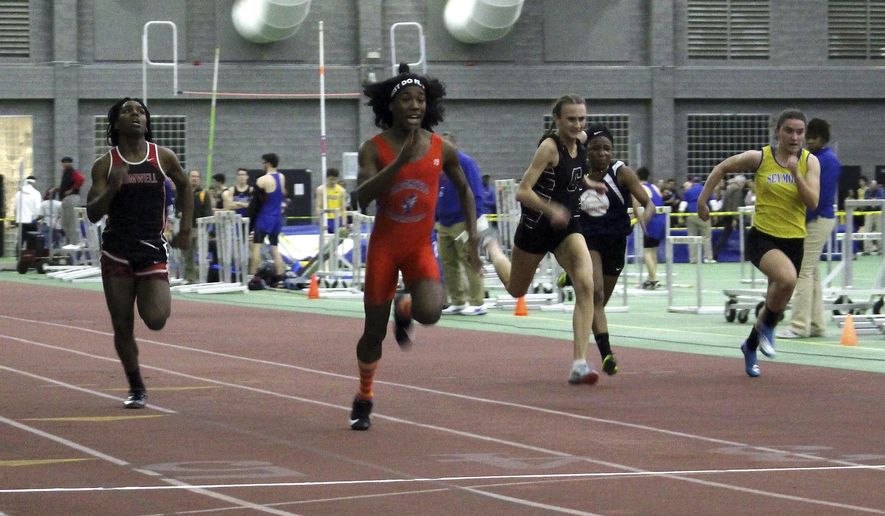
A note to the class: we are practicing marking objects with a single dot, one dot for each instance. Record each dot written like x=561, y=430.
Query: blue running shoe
x=750, y=365
x=766, y=340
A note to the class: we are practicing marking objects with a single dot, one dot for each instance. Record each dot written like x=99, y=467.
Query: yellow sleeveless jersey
x=779, y=210
x=335, y=199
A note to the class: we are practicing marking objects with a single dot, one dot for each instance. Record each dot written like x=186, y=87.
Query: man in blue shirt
x=464, y=284
x=807, y=313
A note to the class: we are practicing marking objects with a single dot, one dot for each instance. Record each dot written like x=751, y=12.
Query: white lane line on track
x=476, y=399
x=538, y=476
x=120, y=462
x=504, y=442
x=76, y=387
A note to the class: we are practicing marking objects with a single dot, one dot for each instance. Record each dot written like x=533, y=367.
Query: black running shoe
x=609, y=365
x=359, y=415
x=403, y=327
x=136, y=400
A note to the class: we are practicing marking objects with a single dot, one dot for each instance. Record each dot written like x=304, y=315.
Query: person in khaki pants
x=807, y=313
x=464, y=284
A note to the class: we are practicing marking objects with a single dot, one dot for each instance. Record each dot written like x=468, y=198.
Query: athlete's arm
x=185, y=198
x=627, y=177
x=747, y=160
x=809, y=185
x=104, y=187
x=546, y=156
x=371, y=182
x=452, y=169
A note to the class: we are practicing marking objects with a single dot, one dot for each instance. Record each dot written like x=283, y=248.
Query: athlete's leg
x=650, y=257
x=153, y=300
x=517, y=273
x=119, y=292
x=573, y=256
x=279, y=268
x=600, y=323
x=781, y=280
x=255, y=258
x=428, y=296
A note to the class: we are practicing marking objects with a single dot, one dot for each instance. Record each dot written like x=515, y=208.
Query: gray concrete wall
x=626, y=56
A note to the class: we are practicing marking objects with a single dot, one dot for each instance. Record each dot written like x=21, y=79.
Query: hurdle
x=744, y=213
x=85, y=260
x=699, y=307
x=232, y=253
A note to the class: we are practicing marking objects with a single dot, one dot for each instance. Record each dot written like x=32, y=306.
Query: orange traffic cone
x=521, y=309
x=849, y=335
x=314, y=291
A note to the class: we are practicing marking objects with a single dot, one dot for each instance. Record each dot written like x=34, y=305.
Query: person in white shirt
x=50, y=213
x=27, y=206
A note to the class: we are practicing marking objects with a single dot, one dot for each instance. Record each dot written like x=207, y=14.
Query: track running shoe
x=766, y=340
x=404, y=328
x=610, y=365
x=750, y=365
x=136, y=400
x=584, y=374
x=359, y=415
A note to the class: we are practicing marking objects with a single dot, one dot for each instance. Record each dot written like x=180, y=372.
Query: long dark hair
x=113, y=135
x=379, y=94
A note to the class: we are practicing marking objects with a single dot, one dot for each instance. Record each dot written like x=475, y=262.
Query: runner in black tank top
x=128, y=185
x=548, y=194
x=605, y=225
x=561, y=184
x=137, y=215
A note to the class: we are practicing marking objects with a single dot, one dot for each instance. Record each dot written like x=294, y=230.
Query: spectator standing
x=732, y=199
x=655, y=230
x=50, y=212
x=238, y=196
x=202, y=208
x=69, y=189
x=335, y=198
x=807, y=313
x=694, y=224
x=27, y=207
x=216, y=191
x=463, y=282
x=269, y=214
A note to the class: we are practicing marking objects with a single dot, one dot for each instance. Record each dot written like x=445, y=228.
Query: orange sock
x=367, y=376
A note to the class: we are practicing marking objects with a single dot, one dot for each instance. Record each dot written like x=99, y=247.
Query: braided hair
x=381, y=93
x=113, y=135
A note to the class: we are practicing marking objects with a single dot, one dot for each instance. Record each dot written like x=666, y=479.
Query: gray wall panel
x=118, y=29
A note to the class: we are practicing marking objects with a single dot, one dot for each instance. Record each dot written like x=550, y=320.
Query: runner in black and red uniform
x=129, y=186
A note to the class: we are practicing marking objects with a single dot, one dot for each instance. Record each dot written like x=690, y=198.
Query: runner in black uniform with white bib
x=606, y=226
x=548, y=193
x=128, y=185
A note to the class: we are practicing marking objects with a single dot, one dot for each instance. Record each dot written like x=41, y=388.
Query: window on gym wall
x=168, y=131
x=728, y=29
x=15, y=28
x=619, y=125
x=856, y=29
x=714, y=137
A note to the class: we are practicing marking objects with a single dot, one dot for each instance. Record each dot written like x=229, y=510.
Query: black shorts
x=273, y=238
x=133, y=258
x=759, y=243
x=611, y=249
x=650, y=243
x=543, y=239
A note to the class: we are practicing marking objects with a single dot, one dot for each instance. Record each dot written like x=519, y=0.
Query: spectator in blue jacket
x=807, y=313
x=464, y=284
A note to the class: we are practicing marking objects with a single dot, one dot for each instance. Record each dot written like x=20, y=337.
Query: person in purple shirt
x=463, y=283
x=807, y=314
